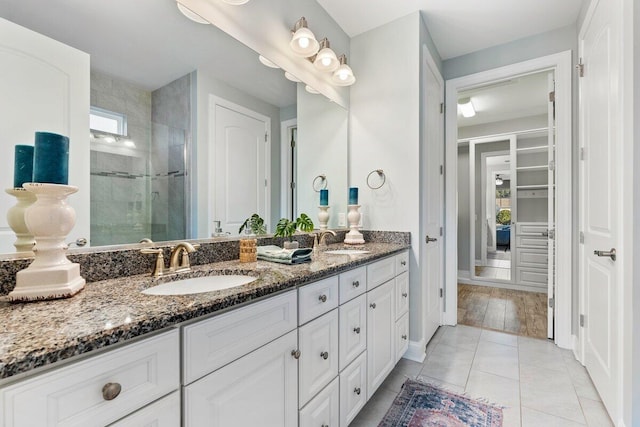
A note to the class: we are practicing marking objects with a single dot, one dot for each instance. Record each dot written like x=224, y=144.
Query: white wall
x=384, y=134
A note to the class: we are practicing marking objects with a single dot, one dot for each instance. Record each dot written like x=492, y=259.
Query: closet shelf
x=532, y=168
x=536, y=149
x=532, y=187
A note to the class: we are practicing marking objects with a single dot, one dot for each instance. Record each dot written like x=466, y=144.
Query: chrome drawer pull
x=356, y=283
x=372, y=305
x=111, y=390
x=323, y=298
x=356, y=330
x=324, y=355
x=357, y=391
x=295, y=354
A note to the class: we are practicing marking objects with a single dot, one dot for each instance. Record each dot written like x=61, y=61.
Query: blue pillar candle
x=353, y=195
x=22, y=165
x=324, y=197
x=51, y=158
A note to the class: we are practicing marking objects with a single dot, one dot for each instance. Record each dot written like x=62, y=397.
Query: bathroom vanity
x=301, y=345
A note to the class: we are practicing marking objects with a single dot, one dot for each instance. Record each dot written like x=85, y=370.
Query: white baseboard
x=575, y=344
x=416, y=351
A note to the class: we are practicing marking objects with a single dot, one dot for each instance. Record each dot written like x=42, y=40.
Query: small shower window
x=107, y=121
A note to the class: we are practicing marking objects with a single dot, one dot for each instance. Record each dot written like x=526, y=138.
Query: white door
x=432, y=209
x=601, y=142
x=44, y=87
x=551, y=207
x=242, y=159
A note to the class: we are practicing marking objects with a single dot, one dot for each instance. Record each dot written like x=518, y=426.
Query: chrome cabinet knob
x=324, y=355
x=295, y=354
x=404, y=294
x=356, y=283
x=111, y=390
x=404, y=337
x=403, y=263
x=323, y=298
x=357, y=391
x=356, y=330
x=372, y=305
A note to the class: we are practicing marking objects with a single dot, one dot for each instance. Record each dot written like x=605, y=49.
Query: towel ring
x=381, y=174
x=323, y=180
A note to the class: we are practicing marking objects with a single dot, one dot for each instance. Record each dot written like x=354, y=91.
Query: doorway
x=560, y=65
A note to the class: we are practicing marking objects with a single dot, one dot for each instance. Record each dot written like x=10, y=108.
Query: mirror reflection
x=165, y=162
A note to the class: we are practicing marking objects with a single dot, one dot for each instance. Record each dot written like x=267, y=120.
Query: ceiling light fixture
x=303, y=42
x=291, y=77
x=311, y=90
x=326, y=59
x=266, y=62
x=343, y=76
x=465, y=106
x=191, y=14
x=499, y=180
x=236, y=2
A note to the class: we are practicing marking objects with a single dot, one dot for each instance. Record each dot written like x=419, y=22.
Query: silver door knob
x=611, y=253
x=323, y=298
x=324, y=355
x=430, y=239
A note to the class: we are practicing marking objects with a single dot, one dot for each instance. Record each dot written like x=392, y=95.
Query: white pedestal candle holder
x=15, y=217
x=323, y=217
x=354, y=237
x=50, y=219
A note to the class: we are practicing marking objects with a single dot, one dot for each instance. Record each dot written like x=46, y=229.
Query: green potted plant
x=254, y=224
x=287, y=228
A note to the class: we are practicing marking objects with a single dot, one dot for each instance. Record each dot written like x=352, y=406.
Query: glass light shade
x=191, y=14
x=465, y=106
x=266, y=62
x=343, y=76
x=236, y=2
x=326, y=60
x=291, y=77
x=304, y=43
x=499, y=181
x=311, y=90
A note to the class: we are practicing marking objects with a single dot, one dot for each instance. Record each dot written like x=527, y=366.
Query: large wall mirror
x=165, y=96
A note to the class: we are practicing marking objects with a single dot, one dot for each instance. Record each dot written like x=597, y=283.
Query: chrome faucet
x=179, y=259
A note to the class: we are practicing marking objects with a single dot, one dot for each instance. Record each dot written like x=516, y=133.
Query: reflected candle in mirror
x=353, y=195
x=51, y=158
x=324, y=197
x=22, y=165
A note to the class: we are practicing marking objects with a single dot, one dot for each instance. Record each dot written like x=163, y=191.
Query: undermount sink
x=198, y=285
x=347, y=252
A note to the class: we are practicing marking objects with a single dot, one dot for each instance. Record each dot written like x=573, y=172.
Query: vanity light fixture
x=303, y=42
x=266, y=62
x=191, y=14
x=291, y=77
x=326, y=59
x=499, y=180
x=236, y=2
x=311, y=90
x=465, y=106
x=343, y=76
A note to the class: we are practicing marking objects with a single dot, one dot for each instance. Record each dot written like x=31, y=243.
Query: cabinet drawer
x=532, y=277
x=318, y=362
x=73, y=395
x=353, y=389
x=533, y=229
x=402, y=294
x=402, y=336
x=259, y=389
x=528, y=257
x=380, y=272
x=353, y=330
x=212, y=343
x=317, y=298
x=531, y=242
x=352, y=284
x=402, y=262
x=163, y=413
x=323, y=410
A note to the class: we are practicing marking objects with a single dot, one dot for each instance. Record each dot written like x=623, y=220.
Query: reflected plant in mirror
x=254, y=224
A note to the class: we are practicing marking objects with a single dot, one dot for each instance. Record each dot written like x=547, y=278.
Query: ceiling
x=459, y=27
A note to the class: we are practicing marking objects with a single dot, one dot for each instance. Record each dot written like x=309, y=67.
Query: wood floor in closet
x=517, y=312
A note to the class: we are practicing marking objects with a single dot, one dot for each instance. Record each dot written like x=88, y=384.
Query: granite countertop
x=112, y=311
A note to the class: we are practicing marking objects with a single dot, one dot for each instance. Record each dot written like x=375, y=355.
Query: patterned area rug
x=424, y=405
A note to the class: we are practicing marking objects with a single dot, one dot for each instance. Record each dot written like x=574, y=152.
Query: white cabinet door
x=402, y=295
x=402, y=336
x=353, y=330
x=318, y=363
x=353, y=390
x=163, y=413
x=380, y=335
x=257, y=389
x=323, y=410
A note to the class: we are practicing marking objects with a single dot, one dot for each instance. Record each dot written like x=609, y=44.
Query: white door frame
x=285, y=166
x=213, y=102
x=561, y=64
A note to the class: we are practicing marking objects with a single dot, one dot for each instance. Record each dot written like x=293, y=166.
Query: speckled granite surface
x=111, y=311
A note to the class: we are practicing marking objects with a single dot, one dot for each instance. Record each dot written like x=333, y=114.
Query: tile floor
x=538, y=383
x=498, y=266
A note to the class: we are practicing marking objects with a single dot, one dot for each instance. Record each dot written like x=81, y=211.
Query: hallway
x=538, y=383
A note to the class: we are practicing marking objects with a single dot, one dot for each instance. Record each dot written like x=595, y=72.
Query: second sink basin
x=198, y=285
x=347, y=252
